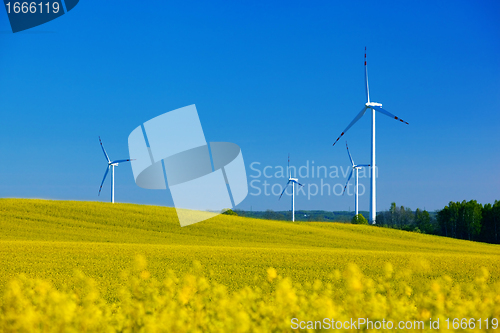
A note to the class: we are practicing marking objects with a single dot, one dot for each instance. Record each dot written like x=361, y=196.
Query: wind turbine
x=354, y=168
x=111, y=164
x=293, y=181
x=373, y=107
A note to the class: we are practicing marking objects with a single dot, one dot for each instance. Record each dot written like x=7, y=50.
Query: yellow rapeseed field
x=97, y=267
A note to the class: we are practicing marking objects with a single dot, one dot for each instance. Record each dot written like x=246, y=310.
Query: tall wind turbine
x=111, y=164
x=373, y=107
x=293, y=181
x=355, y=167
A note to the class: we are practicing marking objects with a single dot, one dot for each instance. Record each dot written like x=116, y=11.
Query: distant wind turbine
x=293, y=181
x=373, y=107
x=354, y=168
x=111, y=164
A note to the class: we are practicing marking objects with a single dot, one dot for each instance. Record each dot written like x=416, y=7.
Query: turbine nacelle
x=370, y=104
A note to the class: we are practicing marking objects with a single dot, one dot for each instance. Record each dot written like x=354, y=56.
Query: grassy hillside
x=49, y=239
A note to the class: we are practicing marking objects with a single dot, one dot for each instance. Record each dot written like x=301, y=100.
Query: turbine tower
x=373, y=107
x=111, y=164
x=354, y=168
x=293, y=181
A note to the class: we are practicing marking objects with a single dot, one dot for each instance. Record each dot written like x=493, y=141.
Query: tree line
x=302, y=215
x=468, y=220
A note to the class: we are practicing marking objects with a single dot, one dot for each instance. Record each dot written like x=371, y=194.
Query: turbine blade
x=348, y=179
x=299, y=184
x=387, y=113
x=104, y=151
x=366, y=80
x=105, y=174
x=284, y=190
x=352, y=123
x=120, y=161
x=350, y=157
x=289, y=171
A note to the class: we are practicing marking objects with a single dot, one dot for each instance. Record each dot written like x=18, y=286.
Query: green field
x=142, y=273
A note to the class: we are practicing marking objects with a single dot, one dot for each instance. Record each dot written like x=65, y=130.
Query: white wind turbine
x=293, y=181
x=111, y=164
x=355, y=167
x=373, y=107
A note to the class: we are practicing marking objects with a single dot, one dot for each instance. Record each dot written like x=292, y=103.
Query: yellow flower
x=271, y=274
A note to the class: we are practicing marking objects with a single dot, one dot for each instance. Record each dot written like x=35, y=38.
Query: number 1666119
x=32, y=7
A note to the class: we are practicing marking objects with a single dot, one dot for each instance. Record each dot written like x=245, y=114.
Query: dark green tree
x=496, y=222
x=472, y=217
x=393, y=215
x=443, y=220
x=423, y=221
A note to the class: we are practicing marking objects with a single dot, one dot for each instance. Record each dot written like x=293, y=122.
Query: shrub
x=230, y=212
x=359, y=219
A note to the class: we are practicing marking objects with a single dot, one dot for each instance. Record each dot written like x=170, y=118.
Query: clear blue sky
x=273, y=77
